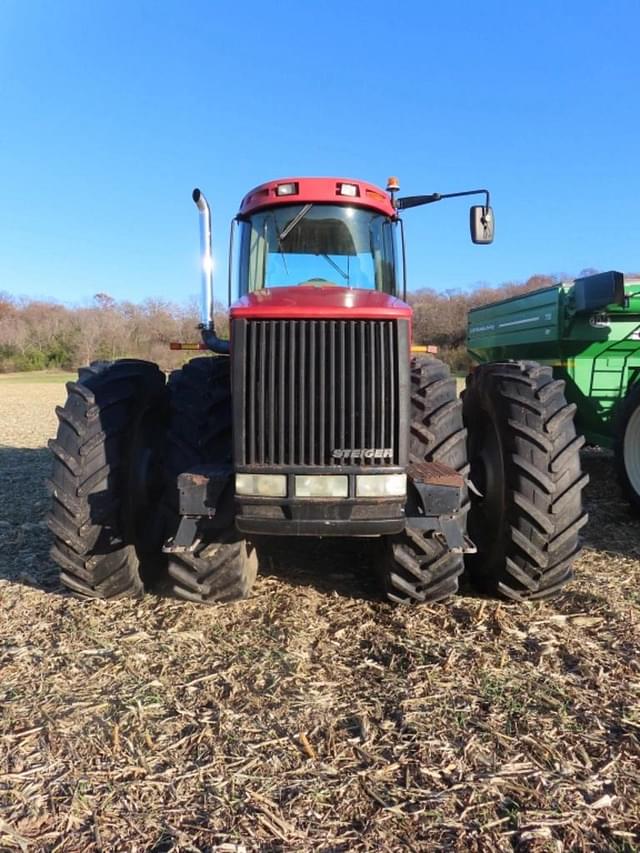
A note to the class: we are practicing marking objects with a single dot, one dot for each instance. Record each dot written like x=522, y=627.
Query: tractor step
x=441, y=507
x=200, y=502
x=439, y=487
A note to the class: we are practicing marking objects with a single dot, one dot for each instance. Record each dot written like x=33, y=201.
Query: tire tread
x=200, y=433
x=88, y=543
x=533, y=554
x=416, y=567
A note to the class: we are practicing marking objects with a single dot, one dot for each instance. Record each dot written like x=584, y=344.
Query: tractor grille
x=306, y=388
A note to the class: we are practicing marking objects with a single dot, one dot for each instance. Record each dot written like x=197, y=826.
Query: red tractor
x=313, y=420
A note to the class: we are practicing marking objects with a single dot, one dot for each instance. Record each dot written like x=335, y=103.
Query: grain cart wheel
x=200, y=433
x=627, y=447
x=106, y=482
x=525, y=466
x=417, y=566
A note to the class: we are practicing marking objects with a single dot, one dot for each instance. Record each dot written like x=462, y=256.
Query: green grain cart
x=588, y=332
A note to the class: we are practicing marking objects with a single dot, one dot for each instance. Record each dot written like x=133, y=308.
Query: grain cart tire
x=525, y=465
x=106, y=483
x=200, y=434
x=627, y=447
x=416, y=566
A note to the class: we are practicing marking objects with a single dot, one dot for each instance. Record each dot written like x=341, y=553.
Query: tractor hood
x=319, y=302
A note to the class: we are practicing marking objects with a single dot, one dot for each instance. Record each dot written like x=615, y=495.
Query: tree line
x=38, y=335
x=440, y=318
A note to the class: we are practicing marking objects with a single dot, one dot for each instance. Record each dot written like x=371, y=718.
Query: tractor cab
x=317, y=232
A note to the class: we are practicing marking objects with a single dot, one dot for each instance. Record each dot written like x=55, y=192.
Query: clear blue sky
x=111, y=112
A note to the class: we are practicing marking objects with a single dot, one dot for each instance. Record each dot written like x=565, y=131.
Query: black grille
x=306, y=388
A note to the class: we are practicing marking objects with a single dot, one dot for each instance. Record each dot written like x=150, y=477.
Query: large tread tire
x=525, y=463
x=102, y=547
x=416, y=567
x=627, y=447
x=200, y=433
x=216, y=572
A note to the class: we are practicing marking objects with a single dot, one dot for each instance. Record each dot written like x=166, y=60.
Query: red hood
x=320, y=302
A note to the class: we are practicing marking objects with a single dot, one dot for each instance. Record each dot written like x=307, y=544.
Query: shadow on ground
x=333, y=565
x=612, y=525
x=24, y=537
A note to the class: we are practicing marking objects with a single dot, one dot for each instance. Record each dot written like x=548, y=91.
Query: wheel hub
x=631, y=451
x=145, y=484
x=487, y=476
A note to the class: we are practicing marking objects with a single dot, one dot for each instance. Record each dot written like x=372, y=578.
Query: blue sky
x=111, y=112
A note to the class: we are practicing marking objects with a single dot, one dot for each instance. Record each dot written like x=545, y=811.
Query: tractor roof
x=346, y=191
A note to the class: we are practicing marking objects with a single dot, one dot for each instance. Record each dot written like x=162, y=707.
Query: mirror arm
x=416, y=200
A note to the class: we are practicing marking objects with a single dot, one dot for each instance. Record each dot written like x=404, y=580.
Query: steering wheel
x=318, y=281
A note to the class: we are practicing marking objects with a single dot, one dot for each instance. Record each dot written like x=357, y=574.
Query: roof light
x=393, y=185
x=287, y=189
x=350, y=190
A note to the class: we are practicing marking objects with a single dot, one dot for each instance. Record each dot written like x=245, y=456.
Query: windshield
x=317, y=244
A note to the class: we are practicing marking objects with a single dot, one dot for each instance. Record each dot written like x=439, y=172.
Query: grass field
x=311, y=717
x=37, y=377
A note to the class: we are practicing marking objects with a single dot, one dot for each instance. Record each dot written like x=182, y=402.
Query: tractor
x=315, y=418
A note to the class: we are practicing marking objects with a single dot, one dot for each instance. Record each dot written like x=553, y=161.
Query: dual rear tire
x=123, y=438
x=513, y=435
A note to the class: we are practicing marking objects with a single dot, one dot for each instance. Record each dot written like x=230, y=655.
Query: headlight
x=381, y=485
x=322, y=486
x=262, y=485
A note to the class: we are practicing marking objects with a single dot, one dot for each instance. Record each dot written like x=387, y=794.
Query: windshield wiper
x=280, y=250
x=336, y=267
x=294, y=221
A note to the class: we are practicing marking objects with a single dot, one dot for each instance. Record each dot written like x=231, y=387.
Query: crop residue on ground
x=312, y=717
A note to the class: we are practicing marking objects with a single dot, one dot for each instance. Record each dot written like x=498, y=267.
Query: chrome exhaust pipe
x=212, y=341
x=206, y=256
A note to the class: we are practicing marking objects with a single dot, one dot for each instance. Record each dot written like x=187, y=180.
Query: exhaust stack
x=212, y=341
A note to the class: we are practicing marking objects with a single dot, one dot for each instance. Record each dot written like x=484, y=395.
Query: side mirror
x=481, y=223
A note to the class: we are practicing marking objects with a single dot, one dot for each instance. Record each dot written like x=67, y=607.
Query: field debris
x=312, y=717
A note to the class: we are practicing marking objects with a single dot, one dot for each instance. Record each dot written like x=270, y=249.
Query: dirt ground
x=312, y=716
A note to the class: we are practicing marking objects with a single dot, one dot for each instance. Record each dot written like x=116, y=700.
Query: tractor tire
x=106, y=482
x=526, y=480
x=200, y=433
x=417, y=566
x=627, y=447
